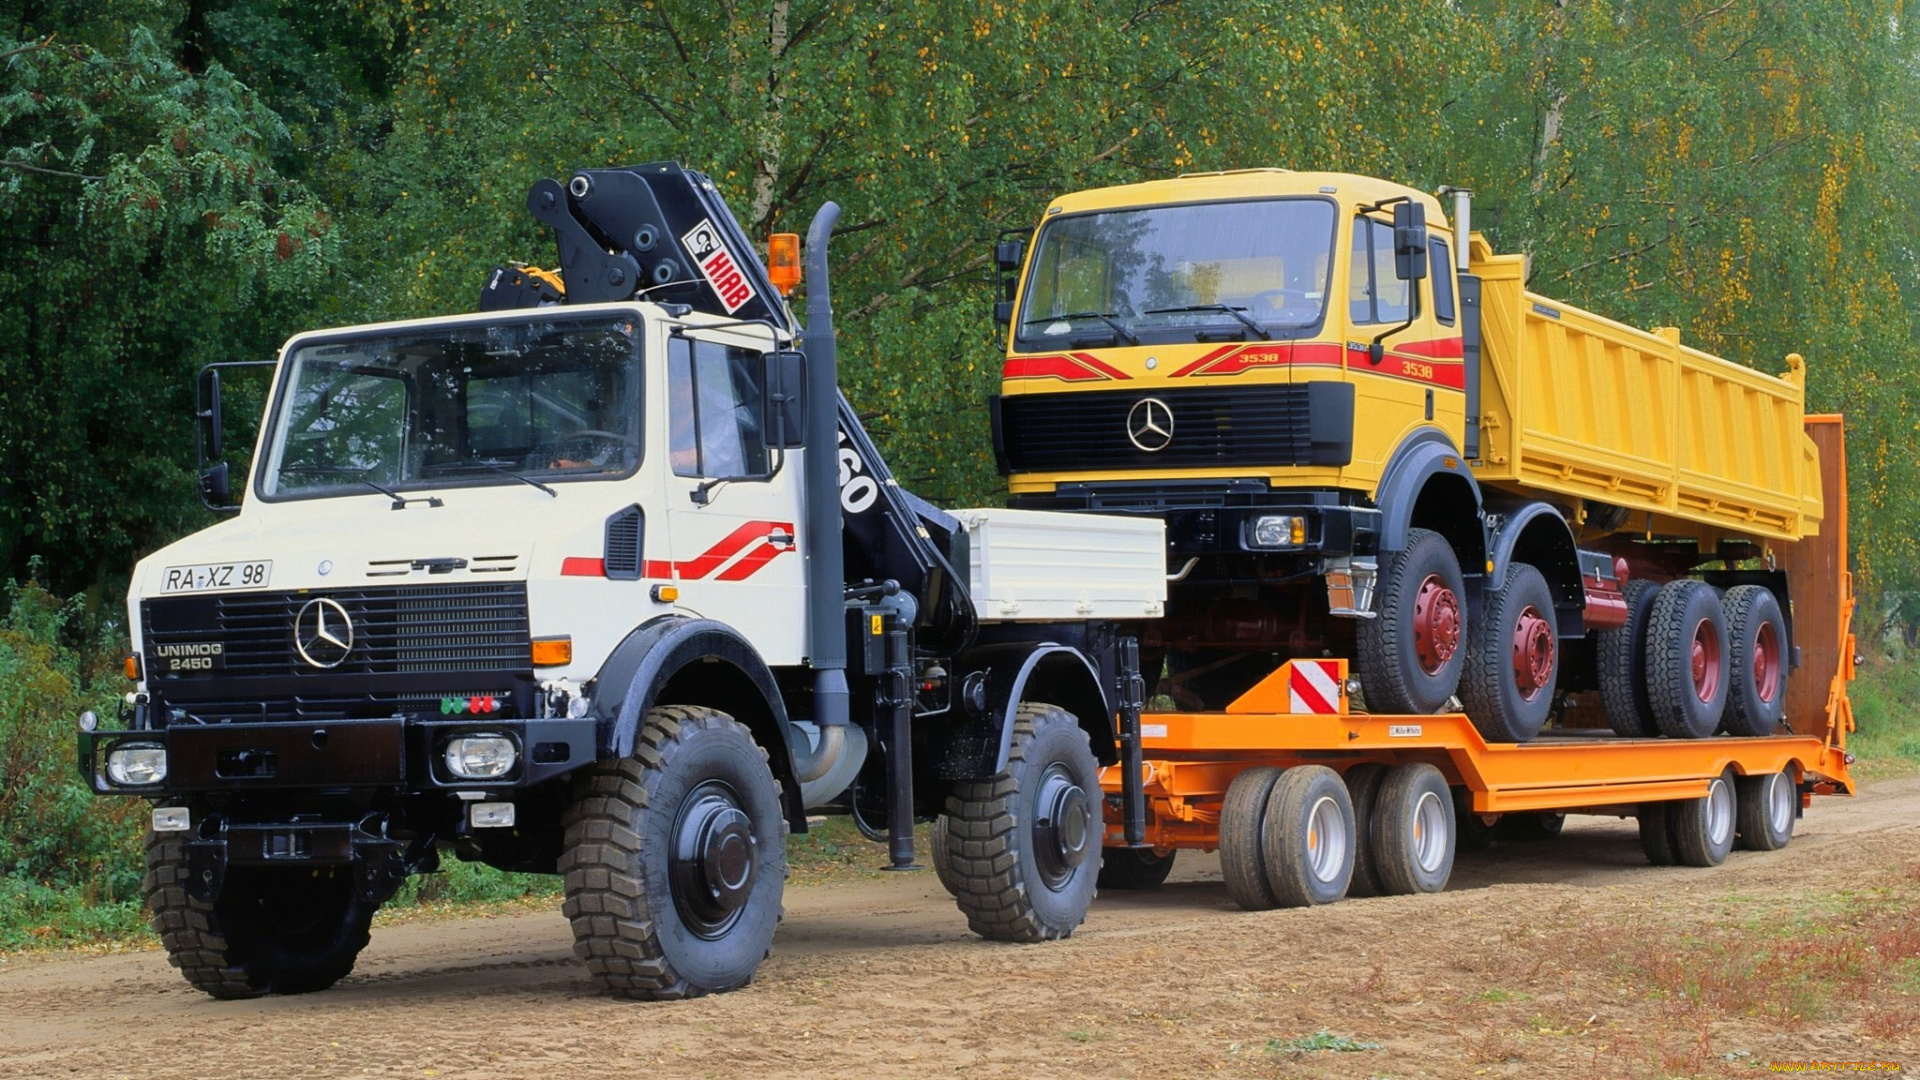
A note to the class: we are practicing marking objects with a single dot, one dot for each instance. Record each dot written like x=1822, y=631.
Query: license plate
x=208, y=577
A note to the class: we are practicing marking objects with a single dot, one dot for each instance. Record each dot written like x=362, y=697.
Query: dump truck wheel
x=1242, y=820
x=675, y=859
x=1768, y=805
x=1687, y=659
x=940, y=854
x=1703, y=828
x=1307, y=837
x=1656, y=833
x=1410, y=654
x=1134, y=869
x=1363, y=787
x=1529, y=828
x=1756, y=661
x=1513, y=659
x=1620, y=653
x=1471, y=831
x=1413, y=830
x=271, y=930
x=1025, y=844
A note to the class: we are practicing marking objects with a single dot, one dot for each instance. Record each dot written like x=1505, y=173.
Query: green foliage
x=1318, y=1041
x=1887, y=736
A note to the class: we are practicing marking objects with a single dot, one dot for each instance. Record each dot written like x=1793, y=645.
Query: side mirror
x=1409, y=241
x=210, y=378
x=783, y=399
x=1003, y=311
x=216, y=489
x=1007, y=255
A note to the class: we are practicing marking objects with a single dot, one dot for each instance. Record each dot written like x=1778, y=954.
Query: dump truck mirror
x=1410, y=241
x=1003, y=312
x=210, y=382
x=1008, y=253
x=783, y=402
x=216, y=488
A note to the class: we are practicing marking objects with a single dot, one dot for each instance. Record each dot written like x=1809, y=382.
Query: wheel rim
x=1719, y=812
x=1705, y=658
x=712, y=864
x=1766, y=663
x=1430, y=833
x=1533, y=648
x=1780, y=803
x=1326, y=840
x=1063, y=832
x=1436, y=624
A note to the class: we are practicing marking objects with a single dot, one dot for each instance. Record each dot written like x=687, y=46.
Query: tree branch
x=24, y=167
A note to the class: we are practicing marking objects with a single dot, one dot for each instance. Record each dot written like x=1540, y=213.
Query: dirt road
x=1565, y=958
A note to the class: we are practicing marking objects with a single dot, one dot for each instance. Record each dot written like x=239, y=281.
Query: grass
x=1886, y=712
x=1322, y=1040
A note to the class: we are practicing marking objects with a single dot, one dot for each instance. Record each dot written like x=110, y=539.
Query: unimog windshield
x=1254, y=268
x=517, y=401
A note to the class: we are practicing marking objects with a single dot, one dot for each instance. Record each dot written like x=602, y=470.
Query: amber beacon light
x=783, y=261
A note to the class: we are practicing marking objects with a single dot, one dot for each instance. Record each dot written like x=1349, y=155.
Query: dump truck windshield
x=500, y=403
x=1177, y=273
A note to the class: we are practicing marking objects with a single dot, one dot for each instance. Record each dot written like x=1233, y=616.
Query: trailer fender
x=1006, y=675
x=675, y=660
x=1537, y=534
x=1427, y=485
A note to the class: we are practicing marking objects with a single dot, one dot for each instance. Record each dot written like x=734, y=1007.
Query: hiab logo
x=717, y=265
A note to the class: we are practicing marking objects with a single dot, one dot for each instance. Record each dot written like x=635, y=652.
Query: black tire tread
x=1669, y=682
x=1399, y=794
x=1242, y=865
x=1755, y=833
x=1363, y=789
x=1621, y=656
x=1380, y=644
x=1288, y=877
x=1744, y=718
x=1134, y=869
x=1656, y=833
x=1488, y=673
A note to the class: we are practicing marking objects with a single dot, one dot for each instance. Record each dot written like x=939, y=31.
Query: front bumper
x=1218, y=518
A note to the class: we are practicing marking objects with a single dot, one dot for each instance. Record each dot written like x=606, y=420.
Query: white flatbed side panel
x=1032, y=566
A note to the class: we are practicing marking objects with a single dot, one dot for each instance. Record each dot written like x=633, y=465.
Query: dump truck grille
x=1238, y=427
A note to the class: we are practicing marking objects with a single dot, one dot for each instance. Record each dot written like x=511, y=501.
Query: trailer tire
x=675, y=858
x=1135, y=869
x=1687, y=659
x=1410, y=655
x=1471, y=831
x=1307, y=837
x=1768, y=805
x=1529, y=828
x=1513, y=659
x=1242, y=820
x=272, y=930
x=1756, y=661
x=1414, y=830
x=1363, y=788
x=940, y=854
x=1620, y=653
x=1025, y=844
x=1703, y=828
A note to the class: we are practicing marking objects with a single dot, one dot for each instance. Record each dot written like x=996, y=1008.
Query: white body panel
x=1030, y=565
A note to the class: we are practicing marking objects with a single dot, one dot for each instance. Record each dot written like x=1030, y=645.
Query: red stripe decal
x=1079, y=367
x=1446, y=348
x=1101, y=366
x=1200, y=364
x=751, y=564
x=579, y=567
x=733, y=544
x=1304, y=689
x=657, y=568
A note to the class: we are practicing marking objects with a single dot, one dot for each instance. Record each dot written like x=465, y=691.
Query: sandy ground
x=1535, y=962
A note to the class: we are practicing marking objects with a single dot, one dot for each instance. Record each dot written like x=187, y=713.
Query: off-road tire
x=1753, y=613
x=1489, y=689
x=1242, y=820
x=1678, y=707
x=1703, y=828
x=1292, y=841
x=1414, y=800
x=621, y=896
x=1134, y=869
x=1386, y=656
x=996, y=832
x=1620, y=653
x=1363, y=786
x=1656, y=833
x=240, y=945
x=1768, y=806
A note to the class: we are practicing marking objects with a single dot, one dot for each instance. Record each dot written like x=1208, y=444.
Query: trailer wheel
x=1756, y=661
x=1703, y=828
x=1025, y=844
x=1656, y=833
x=1413, y=830
x=1621, y=655
x=675, y=859
x=272, y=930
x=1513, y=659
x=1242, y=820
x=1363, y=787
x=940, y=854
x=1768, y=805
x=1472, y=833
x=1410, y=654
x=1135, y=869
x=1687, y=659
x=1307, y=837
x=1529, y=828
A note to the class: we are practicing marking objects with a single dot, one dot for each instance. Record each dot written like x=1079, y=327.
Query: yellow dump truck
x=1370, y=440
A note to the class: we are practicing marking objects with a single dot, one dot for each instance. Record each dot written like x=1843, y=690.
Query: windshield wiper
x=501, y=469
x=359, y=475
x=1236, y=312
x=1119, y=331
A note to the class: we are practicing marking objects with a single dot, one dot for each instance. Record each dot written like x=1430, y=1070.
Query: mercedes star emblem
x=1150, y=425
x=323, y=633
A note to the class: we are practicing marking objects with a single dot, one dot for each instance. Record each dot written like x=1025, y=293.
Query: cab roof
x=1243, y=184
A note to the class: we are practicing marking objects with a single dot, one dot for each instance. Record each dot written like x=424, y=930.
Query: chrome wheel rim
x=1431, y=837
x=1719, y=812
x=1327, y=839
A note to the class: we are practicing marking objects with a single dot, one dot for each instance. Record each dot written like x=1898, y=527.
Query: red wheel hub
x=1533, y=647
x=1706, y=660
x=1766, y=662
x=1436, y=624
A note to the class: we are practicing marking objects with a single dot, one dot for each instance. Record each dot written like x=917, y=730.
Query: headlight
x=137, y=764
x=1279, y=530
x=480, y=757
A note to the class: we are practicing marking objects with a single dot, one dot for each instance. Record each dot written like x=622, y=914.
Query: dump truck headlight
x=137, y=764
x=480, y=757
x=1279, y=531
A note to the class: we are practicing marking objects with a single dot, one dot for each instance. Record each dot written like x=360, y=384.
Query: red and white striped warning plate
x=1315, y=686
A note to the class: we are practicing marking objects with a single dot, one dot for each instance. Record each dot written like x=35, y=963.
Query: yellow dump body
x=1593, y=409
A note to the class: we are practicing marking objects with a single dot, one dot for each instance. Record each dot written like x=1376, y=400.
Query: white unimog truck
x=608, y=581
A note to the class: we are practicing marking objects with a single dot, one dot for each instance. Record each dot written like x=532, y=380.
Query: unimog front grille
x=1080, y=431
